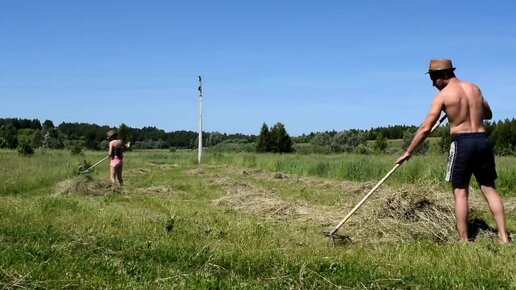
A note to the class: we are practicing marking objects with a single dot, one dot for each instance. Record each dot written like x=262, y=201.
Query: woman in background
x=116, y=148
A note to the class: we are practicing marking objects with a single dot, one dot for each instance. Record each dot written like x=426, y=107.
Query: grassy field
x=243, y=221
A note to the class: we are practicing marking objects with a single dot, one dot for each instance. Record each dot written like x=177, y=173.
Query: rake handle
x=376, y=187
x=97, y=163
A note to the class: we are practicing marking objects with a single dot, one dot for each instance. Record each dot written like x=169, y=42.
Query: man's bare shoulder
x=460, y=86
x=469, y=85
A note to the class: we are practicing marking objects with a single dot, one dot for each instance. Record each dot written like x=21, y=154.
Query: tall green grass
x=141, y=238
x=21, y=175
x=419, y=169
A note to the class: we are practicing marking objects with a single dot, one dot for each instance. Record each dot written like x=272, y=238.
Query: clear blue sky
x=311, y=65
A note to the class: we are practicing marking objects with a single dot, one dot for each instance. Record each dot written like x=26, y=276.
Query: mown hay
x=407, y=215
x=402, y=214
x=388, y=216
x=265, y=203
x=159, y=190
x=85, y=185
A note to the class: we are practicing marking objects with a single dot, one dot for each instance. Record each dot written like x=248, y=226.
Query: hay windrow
x=264, y=203
x=137, y=171
x=402, y=214
x=159, y=189
x=196, y=172
x=390, y=216
x=85, y=185
x=409, y=214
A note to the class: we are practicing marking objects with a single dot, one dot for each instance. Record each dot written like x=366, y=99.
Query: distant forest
x=15, y=131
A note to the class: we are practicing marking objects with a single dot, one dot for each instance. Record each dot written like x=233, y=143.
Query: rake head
x=336, y=238
x=90, y=170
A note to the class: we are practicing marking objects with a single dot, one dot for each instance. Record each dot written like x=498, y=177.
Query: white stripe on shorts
x=451, y=161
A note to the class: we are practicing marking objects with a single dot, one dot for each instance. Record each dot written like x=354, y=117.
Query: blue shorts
x=471, y=153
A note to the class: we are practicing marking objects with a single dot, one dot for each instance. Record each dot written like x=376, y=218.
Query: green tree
x=321, y=139
x=37, y=139
x=347, y=141
x=53, y=138
x=263, y=143
x=214, y=138
x=123, y=132
x=280, y=140
x=48, y=124
x=445, y=139
x=407, y=138
x=381, y=143
x=9, y=133
x=503, y=136
x=24, y=148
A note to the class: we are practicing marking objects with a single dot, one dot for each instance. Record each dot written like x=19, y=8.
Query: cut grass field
x=242, y=221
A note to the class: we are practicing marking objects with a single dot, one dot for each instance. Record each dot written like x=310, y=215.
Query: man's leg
x=461, y=211
x=496, y=206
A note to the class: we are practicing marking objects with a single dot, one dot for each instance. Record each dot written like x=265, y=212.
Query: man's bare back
x=464, y=105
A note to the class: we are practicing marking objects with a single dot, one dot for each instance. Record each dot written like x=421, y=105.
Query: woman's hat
x=438, y=64
x=110, y=134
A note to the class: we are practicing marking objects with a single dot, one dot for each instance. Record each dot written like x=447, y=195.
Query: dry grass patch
x=339, y=186
x=136, y=171
x=388, y=216
x=164, y=190
x=412, y=213
x=85, y=185
x=403, y=214
x=265, y=203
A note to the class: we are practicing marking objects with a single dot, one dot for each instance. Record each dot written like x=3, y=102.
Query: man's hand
x=406, y=156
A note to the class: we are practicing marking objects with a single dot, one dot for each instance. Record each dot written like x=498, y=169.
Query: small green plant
x=25, y=149
x=362, y=149
x=76, y=149
x=84, y=165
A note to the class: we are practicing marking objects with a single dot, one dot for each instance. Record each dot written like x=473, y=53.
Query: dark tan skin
x=466, y=109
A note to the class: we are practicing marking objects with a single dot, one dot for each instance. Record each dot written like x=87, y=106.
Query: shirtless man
x=470, y=152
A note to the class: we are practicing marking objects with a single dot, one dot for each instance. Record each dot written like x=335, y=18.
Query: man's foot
x=504, y=238
x=463, y=241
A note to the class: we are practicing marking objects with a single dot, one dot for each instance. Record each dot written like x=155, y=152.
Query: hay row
x=388, y=216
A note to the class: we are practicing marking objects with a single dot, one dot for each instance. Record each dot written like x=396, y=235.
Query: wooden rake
x=90, y=169
x=333, y=234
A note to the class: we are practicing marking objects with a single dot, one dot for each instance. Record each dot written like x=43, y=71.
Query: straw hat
x=110, y=134
x=438, y=64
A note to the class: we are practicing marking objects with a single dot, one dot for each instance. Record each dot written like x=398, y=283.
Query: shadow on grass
x=476, y=226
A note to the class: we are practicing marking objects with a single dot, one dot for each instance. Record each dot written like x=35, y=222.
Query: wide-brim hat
x=110, y=133
x=438, y=64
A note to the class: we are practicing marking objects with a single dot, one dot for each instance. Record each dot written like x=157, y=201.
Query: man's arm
x=424, y=130
x=486, y=110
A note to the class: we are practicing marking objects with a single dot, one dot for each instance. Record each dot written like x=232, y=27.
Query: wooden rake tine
x=333, y=233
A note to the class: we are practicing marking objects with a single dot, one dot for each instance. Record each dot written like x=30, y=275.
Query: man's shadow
x=477, y=225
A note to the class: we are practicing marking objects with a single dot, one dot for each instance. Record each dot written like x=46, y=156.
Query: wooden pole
x=199, y=155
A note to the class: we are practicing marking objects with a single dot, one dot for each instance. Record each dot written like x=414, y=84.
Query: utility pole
x=199, y=155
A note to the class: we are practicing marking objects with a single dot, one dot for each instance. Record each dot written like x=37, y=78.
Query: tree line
x=15, y=132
